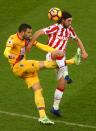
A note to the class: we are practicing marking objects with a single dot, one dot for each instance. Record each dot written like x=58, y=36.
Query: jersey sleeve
x=44, y=47
x=51, y=29
x=10, y=42
x=72, y=33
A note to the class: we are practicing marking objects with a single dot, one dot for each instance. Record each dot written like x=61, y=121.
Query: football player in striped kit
x=58, y=36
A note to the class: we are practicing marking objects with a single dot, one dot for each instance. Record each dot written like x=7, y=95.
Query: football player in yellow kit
x=28, y=69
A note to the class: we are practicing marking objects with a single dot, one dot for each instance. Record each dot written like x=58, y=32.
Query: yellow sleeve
x=44, y=47
x=10, y=41
x=7, y=51
x=9, y=45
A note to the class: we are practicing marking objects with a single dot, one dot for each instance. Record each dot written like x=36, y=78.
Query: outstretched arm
x=80, y=44
x=43, y=47
x=34, y=38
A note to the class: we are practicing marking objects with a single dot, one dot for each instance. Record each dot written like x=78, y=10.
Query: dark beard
x=23, y=37
x=26, y=37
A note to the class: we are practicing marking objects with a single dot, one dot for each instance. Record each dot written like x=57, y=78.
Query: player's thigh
x=18, y=69
x=61, y=72
x=30, y=65
x=31, y=80
x=25, y=67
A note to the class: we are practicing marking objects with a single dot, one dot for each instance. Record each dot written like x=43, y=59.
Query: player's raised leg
x=57, y=53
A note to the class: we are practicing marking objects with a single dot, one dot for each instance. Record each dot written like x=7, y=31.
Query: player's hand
x=34, y=43
x=84, y=55
x=28, y=47
x=11, y=56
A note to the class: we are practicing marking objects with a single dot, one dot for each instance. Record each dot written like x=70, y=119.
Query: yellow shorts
x=31, y=80
x=27, y=70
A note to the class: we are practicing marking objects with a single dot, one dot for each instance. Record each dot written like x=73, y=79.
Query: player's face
x=27, y=33
x=67, y=22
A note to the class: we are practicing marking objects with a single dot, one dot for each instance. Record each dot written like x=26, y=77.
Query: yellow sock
x=50, y=64
x=39, y=101
x=70, y=62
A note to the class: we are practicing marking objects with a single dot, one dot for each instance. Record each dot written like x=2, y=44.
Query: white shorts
x=62, y=70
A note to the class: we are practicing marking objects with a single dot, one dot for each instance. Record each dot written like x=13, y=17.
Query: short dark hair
x=23, y=27
x=65, y=15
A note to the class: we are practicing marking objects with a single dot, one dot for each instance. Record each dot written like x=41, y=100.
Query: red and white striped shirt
x=59, y=36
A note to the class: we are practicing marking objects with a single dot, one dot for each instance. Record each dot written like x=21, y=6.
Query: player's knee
x=41, y=64
x=57, y=54
x=60, y=53
x=36, y=86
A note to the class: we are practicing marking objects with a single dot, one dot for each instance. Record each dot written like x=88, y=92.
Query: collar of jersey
x=18, y=36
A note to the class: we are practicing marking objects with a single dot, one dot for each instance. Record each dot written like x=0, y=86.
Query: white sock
x=57, y=98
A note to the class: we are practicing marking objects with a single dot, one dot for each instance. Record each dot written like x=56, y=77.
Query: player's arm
x=8, y=48
x=7, y=52
x=43, y=47
x=45, y=31
x=80, y=44
x=54, y=52
x=34, y=38
x=36, y=35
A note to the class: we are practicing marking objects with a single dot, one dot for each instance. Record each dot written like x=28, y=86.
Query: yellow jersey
x=17, y=48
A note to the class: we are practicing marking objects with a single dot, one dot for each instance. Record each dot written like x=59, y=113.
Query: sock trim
x=41, y=108
x=60, y=89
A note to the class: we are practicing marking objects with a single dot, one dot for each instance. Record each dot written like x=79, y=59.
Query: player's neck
x=20, y=36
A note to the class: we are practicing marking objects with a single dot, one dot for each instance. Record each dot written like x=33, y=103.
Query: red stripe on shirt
x=60, y=48
x=62, y=32
x=51, y=30
x=57, y=44
x=53, y=39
